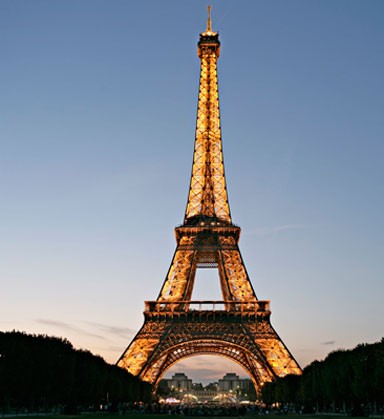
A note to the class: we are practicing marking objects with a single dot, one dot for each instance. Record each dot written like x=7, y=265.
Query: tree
x=42, y=371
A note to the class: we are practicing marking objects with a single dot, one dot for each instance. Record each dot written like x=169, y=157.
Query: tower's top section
x=208, y=200
x=209, y=38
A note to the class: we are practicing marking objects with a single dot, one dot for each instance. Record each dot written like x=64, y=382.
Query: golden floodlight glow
x=238, y=327
x=208, y=192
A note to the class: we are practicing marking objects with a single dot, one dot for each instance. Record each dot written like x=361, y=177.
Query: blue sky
x=97, y=114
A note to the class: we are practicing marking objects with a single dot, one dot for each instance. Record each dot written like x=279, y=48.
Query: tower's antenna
x=209, y=23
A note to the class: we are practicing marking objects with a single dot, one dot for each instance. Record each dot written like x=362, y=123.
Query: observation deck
x=207, y=310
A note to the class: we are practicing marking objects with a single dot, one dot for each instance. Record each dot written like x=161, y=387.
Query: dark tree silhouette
x=350, y=381
x=41, y=371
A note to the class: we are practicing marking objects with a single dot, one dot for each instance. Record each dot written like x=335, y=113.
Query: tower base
x=241, y=332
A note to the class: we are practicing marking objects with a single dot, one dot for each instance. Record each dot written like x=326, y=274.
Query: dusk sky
x=98, y=102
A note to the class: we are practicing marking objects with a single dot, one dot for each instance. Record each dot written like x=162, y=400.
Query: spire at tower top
x=209, y=30
x=209, y=22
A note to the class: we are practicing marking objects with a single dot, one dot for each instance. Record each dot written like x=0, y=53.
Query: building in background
x=231, y=388
x=232, y=383
x=179, y=382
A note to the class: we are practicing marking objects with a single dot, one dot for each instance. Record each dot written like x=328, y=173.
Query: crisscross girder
x=208, y=191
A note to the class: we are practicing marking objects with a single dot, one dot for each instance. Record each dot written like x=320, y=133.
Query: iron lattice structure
x=238, y=327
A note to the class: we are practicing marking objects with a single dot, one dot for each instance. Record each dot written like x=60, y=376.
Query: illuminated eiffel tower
x=238, y=327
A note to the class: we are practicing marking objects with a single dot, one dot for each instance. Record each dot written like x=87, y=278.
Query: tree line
x=39, y=371
x=350, y=381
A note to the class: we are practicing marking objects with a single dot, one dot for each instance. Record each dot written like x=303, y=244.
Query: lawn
x=163, y=416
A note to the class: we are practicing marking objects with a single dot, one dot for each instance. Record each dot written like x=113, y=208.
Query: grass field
x=163, y=416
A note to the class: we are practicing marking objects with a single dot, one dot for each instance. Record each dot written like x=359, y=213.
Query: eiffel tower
x=238, y=327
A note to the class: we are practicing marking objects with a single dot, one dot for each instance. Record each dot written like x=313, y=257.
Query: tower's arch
x=256, y=366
